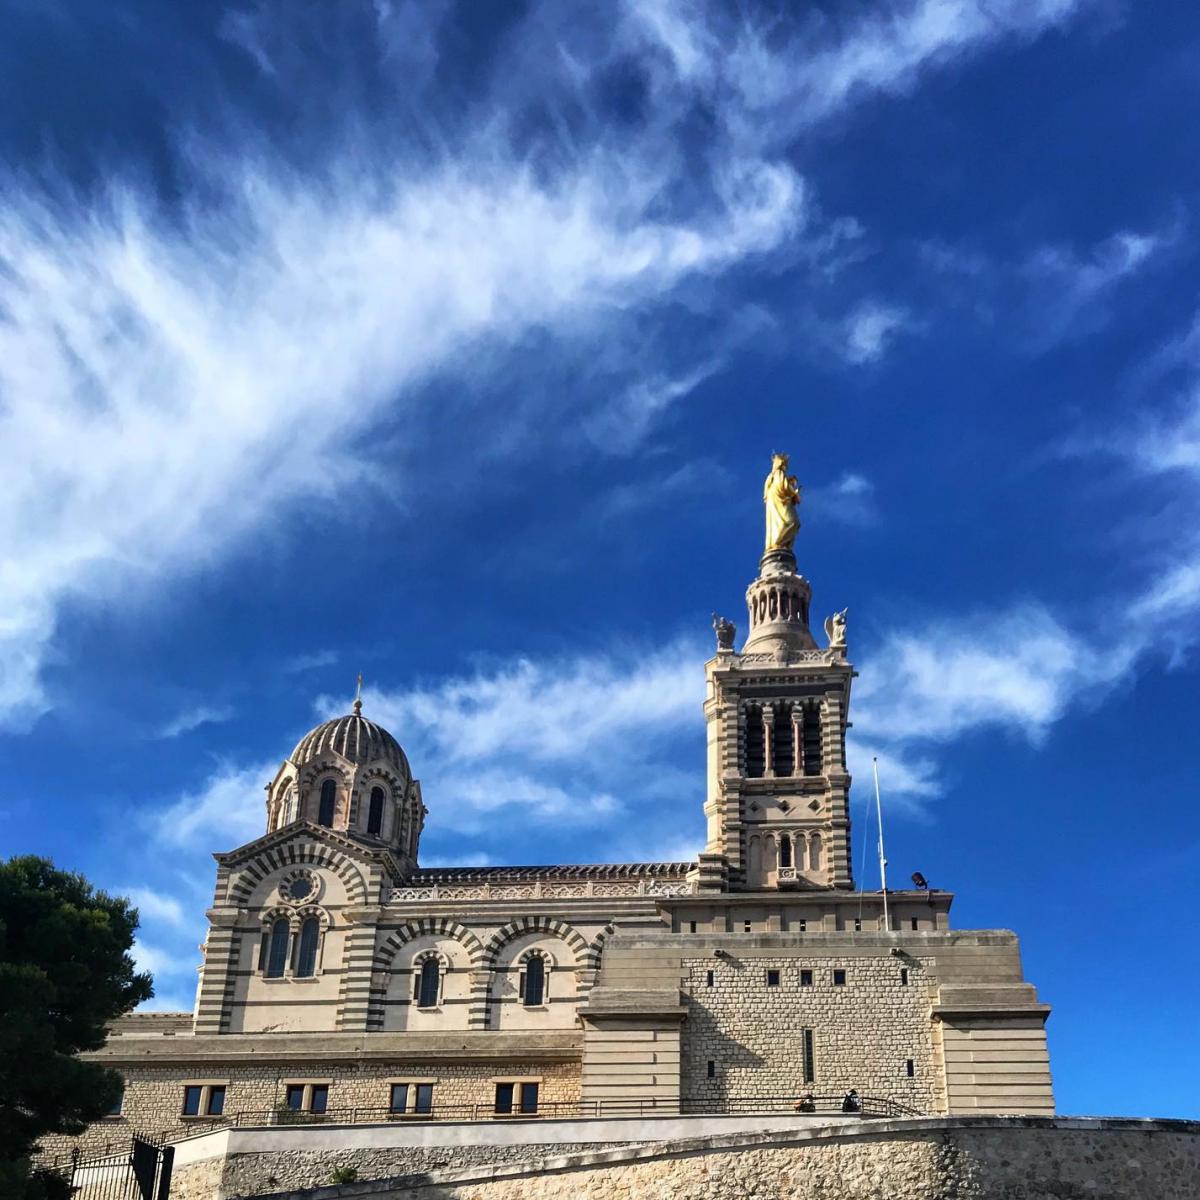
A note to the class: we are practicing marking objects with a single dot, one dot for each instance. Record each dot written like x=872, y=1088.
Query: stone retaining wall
x=956, y=1158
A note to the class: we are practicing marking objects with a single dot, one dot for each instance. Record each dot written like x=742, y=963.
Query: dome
x=354, y=738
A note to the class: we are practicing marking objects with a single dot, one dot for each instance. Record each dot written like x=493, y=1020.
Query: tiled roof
x=426, y=876
x=354, y=738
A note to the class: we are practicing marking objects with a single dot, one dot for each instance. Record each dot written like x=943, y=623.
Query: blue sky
x=449, y=342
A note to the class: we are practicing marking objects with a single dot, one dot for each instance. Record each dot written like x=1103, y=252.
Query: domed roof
x=354, y=738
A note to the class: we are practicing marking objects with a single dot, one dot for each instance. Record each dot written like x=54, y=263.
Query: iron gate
x=143, y=1172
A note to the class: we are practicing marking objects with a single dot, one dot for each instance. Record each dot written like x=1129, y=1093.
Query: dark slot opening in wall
x=904, y=977
x=772, y=978
x=712, y=1069
x=812, y=743
x=810, y=1065
x=755, y=744
x=916, y=924
x=839, y=977
x=806, y=977
x=802, y=925
x=909, y=1069
x=858, y=924
x=709, y=979
x=691, y=926
x=783, y=754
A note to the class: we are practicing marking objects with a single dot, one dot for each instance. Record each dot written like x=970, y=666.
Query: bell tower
x=778, y=790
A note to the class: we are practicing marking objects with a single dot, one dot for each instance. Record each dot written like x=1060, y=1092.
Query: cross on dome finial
x=358, y=697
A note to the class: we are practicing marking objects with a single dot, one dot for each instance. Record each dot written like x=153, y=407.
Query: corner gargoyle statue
x=835, y=629
x=725, y=630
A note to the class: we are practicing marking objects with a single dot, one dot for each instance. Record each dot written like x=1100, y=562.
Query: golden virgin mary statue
x=781, y=495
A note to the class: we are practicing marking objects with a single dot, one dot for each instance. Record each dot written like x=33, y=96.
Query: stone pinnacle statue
x=781, y=495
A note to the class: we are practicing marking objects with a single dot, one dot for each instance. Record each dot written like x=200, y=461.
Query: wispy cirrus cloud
x=566, y=739
x=1054, y=292
x=194, y=718
x=226, y=810
x=868, y=333
x=191, y=345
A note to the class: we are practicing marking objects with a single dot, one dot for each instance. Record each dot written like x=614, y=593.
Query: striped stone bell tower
x=778, y=790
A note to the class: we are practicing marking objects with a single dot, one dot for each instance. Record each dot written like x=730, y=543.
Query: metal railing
x=141, y=1170
x=632, y=1107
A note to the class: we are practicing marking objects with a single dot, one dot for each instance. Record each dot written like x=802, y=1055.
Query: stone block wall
x=154, y=1095
x=980, y=1158
x=243, y=1175
x=864, y=1032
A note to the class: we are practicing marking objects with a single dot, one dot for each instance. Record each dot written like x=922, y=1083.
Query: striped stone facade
x=331, y=951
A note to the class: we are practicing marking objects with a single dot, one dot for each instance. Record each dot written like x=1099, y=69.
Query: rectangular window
x=319, y=1101
x=749, y=926
x=118, y=1104
x=810, y=1060
x=904, y=977
x=916, y=924
x=909, y=1069
x=858, y=924
x=806, y=977
x=399, y=1101
x=712, y=1069
x=424, y=1100
x=519, y=1097
x=802, y=925
x=710, y=976
x=295, y=1096
x=839, y=977
x=692, y=926
x=772, y=978
x=203, y=1099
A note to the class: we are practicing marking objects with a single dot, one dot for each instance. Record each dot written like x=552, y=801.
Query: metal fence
x=141, y=1171
x=870, y=1107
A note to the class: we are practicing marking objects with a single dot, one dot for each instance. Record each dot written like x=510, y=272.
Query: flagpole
x=882, y=860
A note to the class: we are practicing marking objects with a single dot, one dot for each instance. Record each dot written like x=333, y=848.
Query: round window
x=298, y=889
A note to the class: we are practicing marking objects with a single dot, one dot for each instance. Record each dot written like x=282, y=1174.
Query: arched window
x=427, y=983
x=533, y=981
x=814, y=852
x=785, y=851
x=328, y=799
x=306, y=955
x=277, y=950
x=375, y=812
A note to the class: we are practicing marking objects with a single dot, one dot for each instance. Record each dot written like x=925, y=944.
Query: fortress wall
x=985, y=1158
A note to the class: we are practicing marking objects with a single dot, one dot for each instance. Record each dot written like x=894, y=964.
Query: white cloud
x=547, y=711
x=310, y=662
x=155, y=906
x=850, y=499
x=161, y=962
x=194, y=718
x=622, y=427
x=228, y=810
x=870, y=330
x=1056, y=292
x=1019, y=670
x=566, y=740
x=163, y=371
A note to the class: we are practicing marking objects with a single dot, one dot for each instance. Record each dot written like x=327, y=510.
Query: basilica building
x=341, y=979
